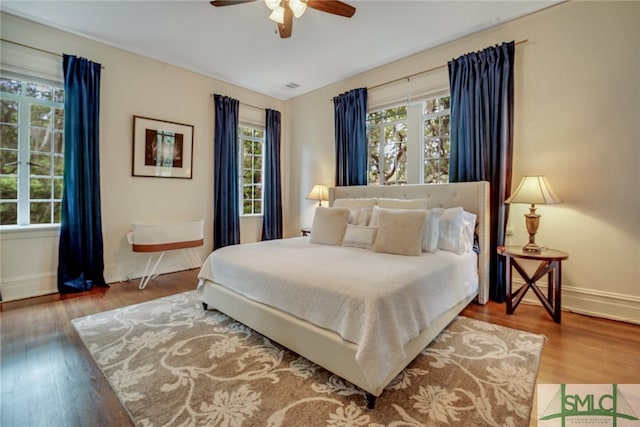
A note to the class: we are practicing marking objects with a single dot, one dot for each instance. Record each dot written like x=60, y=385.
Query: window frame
x=23, y=174
x=416, y=122
x=241, y=169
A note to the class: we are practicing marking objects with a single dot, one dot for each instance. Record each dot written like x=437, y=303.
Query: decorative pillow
x=402, y=203
x=329, y=225
x=359, y=236
x=430, y=234
x=400, y=231
x=360, y=216
x=455, y=229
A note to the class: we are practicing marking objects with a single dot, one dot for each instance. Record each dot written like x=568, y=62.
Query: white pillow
x=455, y=229
x=430, y=233
x=329, y=225
x=400, y=231
x=402, y=203
x=359, y=236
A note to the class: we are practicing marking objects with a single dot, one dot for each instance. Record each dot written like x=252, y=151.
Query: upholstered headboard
x=472, y=196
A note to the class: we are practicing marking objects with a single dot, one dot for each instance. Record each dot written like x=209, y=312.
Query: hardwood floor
x=47, y=377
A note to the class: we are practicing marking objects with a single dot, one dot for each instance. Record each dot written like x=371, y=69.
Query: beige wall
x=130, y=85
x=577, y=106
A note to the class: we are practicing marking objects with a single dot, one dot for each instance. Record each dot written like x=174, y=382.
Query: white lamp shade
x=319, y=192
x=534, y=190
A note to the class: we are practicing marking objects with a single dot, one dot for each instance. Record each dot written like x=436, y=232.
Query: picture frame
x=162, y=149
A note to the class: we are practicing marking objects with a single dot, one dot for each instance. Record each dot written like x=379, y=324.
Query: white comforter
x=378, y=301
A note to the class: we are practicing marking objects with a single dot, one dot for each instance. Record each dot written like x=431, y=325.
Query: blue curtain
x=272, y=192
x=351, y=137
x=482, y=136
x=226, y=216
x=80, y=251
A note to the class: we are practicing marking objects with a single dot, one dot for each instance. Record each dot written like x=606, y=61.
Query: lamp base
x=531, y=248
x=533, y=221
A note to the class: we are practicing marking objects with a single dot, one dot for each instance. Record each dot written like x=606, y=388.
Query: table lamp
x=319, y=192
x=533, y=190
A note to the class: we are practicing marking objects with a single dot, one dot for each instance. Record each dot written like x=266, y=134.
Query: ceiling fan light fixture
x=297, y=7
x=277, y=15
x=272, y=4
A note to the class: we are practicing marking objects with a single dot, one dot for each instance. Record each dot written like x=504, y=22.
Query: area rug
x=173, y=364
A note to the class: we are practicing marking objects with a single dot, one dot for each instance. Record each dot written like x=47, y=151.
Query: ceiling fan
x=283, y=11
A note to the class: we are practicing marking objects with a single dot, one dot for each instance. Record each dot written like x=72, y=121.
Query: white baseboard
x=608, y=305
x=29, y=286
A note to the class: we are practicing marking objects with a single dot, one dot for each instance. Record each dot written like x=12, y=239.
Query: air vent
x=293, y=85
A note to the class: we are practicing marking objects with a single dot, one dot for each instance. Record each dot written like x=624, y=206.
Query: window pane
x=40, y=164
x=57, y=215
x=40, y=139
x=58, y=94
x=11, y=86
x=8, y=161
x=58, y=184
x=39, y=91
x=58, y=118
x=259, y=133
x=9, y=111
x=58, y=165
x=247, y=207
x=9, y=136
x=257, y=207
x=40, y=188
x=40, y=213
x=41, y=116
x=9, y=189
x=8, y=213
x=58, y=142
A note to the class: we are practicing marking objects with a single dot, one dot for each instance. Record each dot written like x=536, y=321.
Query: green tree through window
x=251, y=177
x=31, y=152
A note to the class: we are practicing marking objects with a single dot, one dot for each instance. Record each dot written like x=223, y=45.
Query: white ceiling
x=240, y=45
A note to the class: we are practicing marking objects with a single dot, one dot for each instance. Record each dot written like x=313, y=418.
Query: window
x=251, y=156
x=389, y=132
x=437, y=113
x=387, y=142
x=31, y=152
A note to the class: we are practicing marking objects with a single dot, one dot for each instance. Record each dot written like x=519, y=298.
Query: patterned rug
x=173, y=364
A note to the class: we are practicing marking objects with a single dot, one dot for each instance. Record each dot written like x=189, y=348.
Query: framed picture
x=162, y=149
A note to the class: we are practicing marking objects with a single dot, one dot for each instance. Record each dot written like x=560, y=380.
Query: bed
x=369, y=342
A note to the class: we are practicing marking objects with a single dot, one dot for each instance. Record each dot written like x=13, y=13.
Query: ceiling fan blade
x=285, y=29
x=218, y=3
x=332, y=6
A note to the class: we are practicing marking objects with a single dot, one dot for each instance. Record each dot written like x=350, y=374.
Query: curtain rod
x=36, y=48
x=429, y=70
x=247, y=105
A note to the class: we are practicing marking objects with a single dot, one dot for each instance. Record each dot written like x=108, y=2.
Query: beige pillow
x=400, y=231
x=329, y=225
x=359, y=236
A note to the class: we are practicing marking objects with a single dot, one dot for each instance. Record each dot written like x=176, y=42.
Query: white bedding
x=376, y=300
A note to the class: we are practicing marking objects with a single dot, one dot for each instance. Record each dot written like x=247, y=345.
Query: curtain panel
x=272, y=192
x=226, y=215
x=80, y=250
x=481, y=86
x=351, y=137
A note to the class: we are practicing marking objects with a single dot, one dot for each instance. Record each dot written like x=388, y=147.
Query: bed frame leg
x=205, y=306
x=371, y=400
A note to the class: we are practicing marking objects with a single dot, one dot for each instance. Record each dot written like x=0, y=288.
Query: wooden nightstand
x=550, y=264
x=305, y=231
